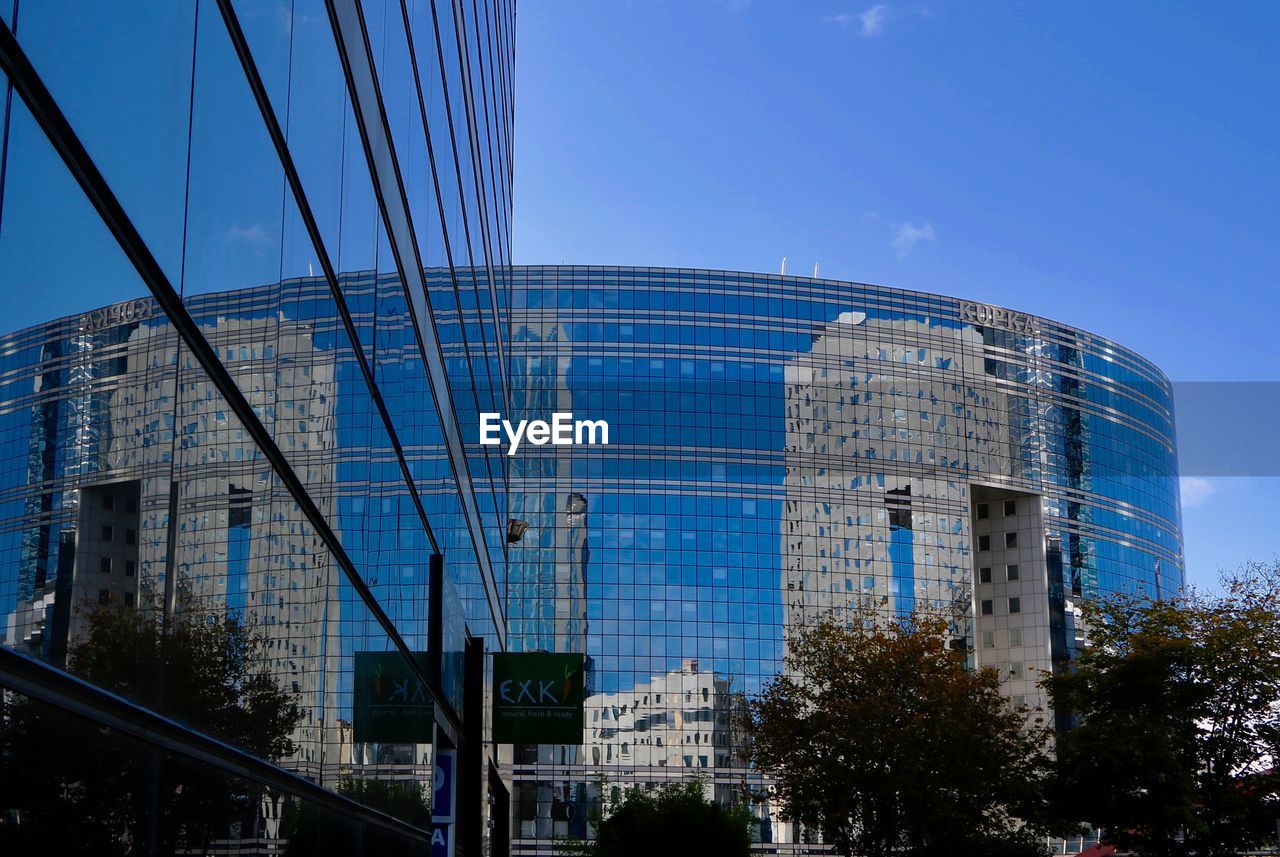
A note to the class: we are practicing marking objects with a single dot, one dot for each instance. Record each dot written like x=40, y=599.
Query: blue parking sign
x=442, y=788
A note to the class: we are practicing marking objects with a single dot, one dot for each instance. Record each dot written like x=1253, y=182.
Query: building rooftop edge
x=639, y=269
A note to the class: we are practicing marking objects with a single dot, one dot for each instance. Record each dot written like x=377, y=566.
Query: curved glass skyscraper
x=779, y=449
x=784, y=447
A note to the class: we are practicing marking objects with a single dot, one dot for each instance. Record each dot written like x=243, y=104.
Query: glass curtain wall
x=783, y=449
x=254, y=257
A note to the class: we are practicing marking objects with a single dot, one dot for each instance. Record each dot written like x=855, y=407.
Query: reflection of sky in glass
x=680, y=577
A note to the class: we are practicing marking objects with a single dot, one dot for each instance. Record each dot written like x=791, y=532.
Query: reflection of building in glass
x=166, y=502
x=296, y=452
x=139, y=486
x=782, y=448
x=871, y=426
x=548, y=571
x=686, y=721
x=677, y=720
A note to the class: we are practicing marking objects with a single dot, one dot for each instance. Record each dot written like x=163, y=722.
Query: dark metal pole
x=472, y=782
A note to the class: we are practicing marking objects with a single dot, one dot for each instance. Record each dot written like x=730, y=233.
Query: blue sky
x=1111, y=165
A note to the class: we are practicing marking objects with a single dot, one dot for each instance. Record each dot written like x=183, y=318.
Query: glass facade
x=257, y=262
x=782, y=448
x=275, y=242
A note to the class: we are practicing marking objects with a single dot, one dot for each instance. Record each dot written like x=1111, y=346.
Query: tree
x=81, y=789
x=673, y=819
x=1178, y=703
x=881, y=737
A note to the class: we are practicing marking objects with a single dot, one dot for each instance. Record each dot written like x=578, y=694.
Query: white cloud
x=872, y=20
x=254, y=235
x=1196, y=490
x=870, y=23
x=909, y=235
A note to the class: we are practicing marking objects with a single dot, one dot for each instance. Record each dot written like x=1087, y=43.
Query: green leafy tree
x=673, y=819
x=1178, y=703
x=882, y=738
x=75, y=788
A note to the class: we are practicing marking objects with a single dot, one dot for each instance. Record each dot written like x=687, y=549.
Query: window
x=984, y=543
x=129, y=599
x=1011, y=540
x=1015, y=605
x=104, y=596
x=984, y=574
x=131, y=537
x=1015, y=637
x=131, y=505
x=984, y=511
x=1010, y=508
x=1011, y=572
x=104, y=565
x=108, y=501
x=108, y=534
x=988, y=607
x=988, y=639
x=1016, y=671
x=129, y=568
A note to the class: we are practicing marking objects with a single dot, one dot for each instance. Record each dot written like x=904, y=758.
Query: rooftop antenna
x=815, y=270
x=784, y=265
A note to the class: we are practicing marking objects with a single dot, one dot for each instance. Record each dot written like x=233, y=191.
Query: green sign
x=391, y=706
x=537, y=698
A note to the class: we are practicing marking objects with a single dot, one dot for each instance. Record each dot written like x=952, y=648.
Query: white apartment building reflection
x=682, y=719
x=683, y=722
x=900, y=442
x=151, y=495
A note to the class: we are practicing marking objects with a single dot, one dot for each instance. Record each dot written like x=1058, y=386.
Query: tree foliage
x=674, y=819
x=1178, y=703
x=74, y=788
x=881, y=737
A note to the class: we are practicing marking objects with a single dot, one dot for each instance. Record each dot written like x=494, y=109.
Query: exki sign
x=390, y=704
x=537, y=698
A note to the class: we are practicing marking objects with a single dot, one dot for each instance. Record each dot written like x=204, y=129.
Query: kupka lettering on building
x=994, y=316
x=122, y=313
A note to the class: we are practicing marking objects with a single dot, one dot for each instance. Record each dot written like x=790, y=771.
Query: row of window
x=109, y=535
x=1011, y=572
x=1010, y=541
x=128, y=598
x=989, y=638
x=1010, y=509
x=989, y=606
x=107, y=565
x=109, y=503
